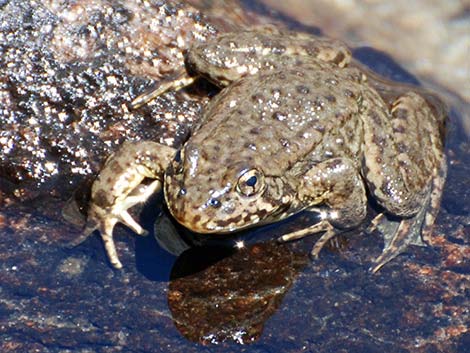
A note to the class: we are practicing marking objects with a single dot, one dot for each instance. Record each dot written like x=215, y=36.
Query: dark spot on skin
x=318, y=103
x=257, y=98
x=399, y=129
x=298, y=62
x=223, y=223
x=375, y=118
x=279, y=116
x=339, y=58
x=401, y=147
x=247, y=218
x=302, y=89
x=284, y=142
x=261, y=213
x=340, y=117
x=196, y=219
x=216, y=148
x=282, y=76
x=348, y=93
x=401, y=114
x=255, y=131
x=378, y=141
x=116, y=168
x=402, y=163
x=330, y=98
x=100, y=198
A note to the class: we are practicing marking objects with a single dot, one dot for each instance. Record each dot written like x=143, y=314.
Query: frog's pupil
x=252, y=181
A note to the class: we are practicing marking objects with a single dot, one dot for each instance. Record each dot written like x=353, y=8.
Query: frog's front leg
x=118, y=187
x=337, y=185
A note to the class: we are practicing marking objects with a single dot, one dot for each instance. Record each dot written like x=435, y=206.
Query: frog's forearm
x=118, y=187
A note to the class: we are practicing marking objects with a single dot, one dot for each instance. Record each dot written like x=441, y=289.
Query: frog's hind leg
x=435, y=201
x=416, y=230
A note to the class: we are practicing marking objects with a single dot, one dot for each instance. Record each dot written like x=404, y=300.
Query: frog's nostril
x=214, y=203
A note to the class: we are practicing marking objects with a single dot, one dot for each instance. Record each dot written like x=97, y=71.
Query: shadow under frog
x=220, y=292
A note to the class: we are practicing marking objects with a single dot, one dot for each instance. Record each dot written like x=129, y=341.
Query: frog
x=296, y=127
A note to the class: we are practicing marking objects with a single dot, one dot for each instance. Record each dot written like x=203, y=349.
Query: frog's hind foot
x=174, y=82
x=398, y=235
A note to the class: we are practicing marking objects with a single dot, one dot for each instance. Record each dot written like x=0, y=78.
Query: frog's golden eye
x=251, y=182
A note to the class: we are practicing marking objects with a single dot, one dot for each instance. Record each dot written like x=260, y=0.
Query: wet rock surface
x=68, y=72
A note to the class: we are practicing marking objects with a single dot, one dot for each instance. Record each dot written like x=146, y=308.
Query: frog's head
x=207, y=197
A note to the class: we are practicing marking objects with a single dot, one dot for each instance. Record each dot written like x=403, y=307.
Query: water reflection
x=224, y=290
x=219, y=294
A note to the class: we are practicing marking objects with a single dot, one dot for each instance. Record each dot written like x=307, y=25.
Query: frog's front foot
x=119, y=186
x=322, y=226
x=104, y=218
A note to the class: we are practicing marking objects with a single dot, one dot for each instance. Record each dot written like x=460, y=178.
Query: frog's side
x=295, y=128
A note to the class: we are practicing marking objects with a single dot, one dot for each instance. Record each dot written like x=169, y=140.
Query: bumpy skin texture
x=295, y=128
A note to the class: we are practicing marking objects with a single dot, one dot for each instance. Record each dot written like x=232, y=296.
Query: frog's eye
x=251, y=182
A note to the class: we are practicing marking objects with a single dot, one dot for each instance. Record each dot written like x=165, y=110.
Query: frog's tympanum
x=295, y=127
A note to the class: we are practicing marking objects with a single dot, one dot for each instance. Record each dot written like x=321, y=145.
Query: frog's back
x=274, y=120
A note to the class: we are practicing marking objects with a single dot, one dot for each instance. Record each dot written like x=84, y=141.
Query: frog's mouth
x=223, y=216
x=219, y=217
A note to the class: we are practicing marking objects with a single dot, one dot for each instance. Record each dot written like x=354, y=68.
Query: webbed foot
x=105, y=218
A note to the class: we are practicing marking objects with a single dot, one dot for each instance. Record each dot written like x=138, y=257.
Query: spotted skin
x=296, y=126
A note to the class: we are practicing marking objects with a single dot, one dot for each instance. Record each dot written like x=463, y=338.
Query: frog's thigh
x=337, y=184
x=118, y=187
x=403, y=152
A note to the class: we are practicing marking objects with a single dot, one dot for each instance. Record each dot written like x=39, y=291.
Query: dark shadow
x=382, y=64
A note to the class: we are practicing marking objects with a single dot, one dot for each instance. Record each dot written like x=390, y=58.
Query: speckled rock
x=68, y=72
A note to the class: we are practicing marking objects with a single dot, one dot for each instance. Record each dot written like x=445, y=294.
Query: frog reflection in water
x=294, y=128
